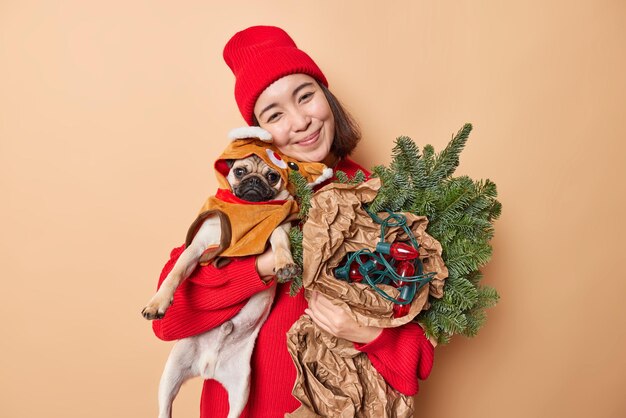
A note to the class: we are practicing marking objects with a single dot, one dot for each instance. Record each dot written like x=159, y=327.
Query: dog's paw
x=151, y=313
x=288, y=272
x=154, y=311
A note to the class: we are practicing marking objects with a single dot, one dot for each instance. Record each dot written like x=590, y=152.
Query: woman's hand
x=265, y=265
x=336, y=321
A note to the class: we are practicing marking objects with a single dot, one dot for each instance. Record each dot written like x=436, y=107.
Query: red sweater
x=210, y=296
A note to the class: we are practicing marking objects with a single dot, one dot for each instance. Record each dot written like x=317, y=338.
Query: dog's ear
x=229, y=163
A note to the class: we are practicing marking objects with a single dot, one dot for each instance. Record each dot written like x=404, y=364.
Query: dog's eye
x=293, y=166
x=273, y=177
x=239, y=172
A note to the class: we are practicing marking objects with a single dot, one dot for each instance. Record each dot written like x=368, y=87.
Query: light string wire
x=374, y=276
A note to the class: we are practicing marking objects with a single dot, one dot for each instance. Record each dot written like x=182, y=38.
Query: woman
x=281, y=89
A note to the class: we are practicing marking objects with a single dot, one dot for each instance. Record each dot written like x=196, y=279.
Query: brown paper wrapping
x=334, y=379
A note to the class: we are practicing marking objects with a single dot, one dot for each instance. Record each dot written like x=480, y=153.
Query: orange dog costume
x=247, y=226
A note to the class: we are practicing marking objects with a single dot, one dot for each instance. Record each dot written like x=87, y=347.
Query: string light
x=394, y=264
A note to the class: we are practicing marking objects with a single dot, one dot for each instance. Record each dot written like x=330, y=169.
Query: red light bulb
x=402, y=252
x=405, y=269
x=354, y=274
x=405, y=295
x=398, y=250
x=401, y=310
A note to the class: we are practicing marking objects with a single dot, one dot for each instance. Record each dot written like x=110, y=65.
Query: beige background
x=112, y=112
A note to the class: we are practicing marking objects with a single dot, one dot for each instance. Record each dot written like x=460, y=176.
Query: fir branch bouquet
x=461, y=213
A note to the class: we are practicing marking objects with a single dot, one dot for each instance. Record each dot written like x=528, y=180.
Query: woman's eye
x=306, y=96
x=239, y=172
x=273, y=117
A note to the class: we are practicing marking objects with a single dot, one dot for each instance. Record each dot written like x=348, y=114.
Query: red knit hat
x=260, y=55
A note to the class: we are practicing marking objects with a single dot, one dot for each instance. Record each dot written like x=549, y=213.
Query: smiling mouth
x=311, y=139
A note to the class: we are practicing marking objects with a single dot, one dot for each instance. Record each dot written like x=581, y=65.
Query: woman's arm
x=265, y=265
x=208, y=297
x=401, y=355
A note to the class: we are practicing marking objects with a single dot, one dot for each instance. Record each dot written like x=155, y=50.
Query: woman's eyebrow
x=300, y=87
x=267, y=108
x=295, y=93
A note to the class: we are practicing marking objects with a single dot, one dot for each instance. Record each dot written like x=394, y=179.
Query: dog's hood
x=254, y=140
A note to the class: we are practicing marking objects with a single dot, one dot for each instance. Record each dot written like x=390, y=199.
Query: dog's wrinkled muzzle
x=254, y=189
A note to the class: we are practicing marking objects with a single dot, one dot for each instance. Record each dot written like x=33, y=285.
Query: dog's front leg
x=283, y=260
x=208, y=235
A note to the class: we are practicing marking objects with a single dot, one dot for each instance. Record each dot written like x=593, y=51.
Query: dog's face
x=253, y=180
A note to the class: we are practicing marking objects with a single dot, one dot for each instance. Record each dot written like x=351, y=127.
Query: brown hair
x=347, y=131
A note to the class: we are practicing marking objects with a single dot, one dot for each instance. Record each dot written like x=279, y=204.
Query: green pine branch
x=303, y=193
x=342, y=177
x=447, y=161
x=295, y=239
x=461, y=213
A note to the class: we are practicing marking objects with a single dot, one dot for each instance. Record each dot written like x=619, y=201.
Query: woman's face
x=295, y=111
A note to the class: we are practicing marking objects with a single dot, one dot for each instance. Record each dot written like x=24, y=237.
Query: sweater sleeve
x=401, y=355
x=208, y=297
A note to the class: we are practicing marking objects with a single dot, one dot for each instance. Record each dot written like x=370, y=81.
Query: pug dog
x=252, y=180
x=254, y=171
x=223, y=353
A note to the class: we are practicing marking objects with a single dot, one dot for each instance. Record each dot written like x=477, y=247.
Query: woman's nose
x=300, y=121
